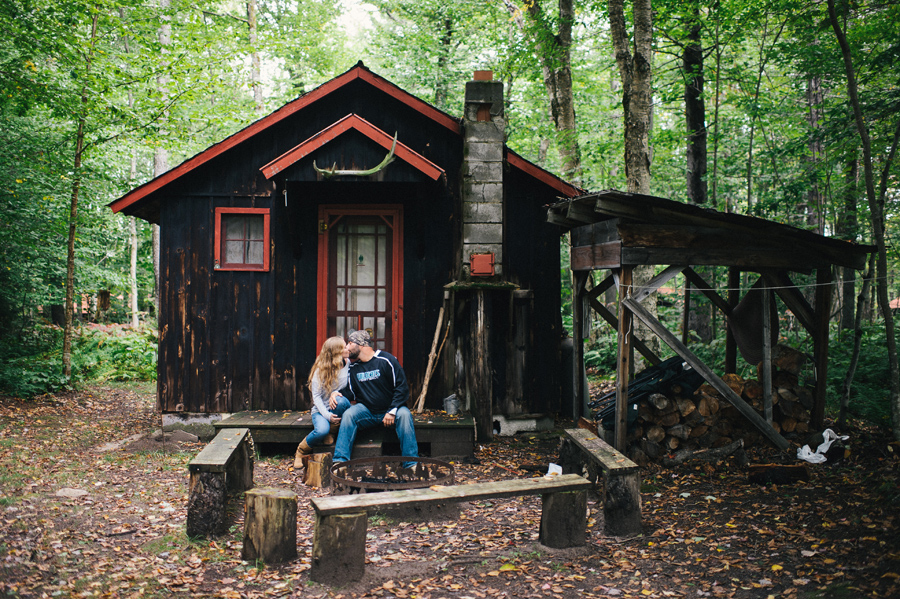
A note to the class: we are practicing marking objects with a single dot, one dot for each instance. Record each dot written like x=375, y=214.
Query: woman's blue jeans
x=358, y=417
x=321, y=424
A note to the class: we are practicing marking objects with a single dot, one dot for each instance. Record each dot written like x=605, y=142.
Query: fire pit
x=386, y=473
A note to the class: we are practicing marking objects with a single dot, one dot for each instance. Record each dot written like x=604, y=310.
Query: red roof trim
x=567, y=189
x=357, y=72
x=335, y=130
x=410, y=100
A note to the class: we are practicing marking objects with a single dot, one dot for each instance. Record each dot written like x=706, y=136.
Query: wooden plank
x=598, y=256
x=656, y=282
x=792, y=298
x=624, y=358
x=742, y=257
x=219, y=452
x=601, y=287
x=767, y=354
x=604, y=454
x=578, y=334
x=346, y=504
x=764, y=427
x=700, y=283
x=611, y=319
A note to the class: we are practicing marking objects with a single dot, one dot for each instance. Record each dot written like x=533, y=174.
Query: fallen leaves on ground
x=707, y=532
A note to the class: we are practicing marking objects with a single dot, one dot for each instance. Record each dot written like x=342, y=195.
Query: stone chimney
x=484, y=128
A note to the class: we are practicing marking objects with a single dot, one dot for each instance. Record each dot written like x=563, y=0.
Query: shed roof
x=628, y=228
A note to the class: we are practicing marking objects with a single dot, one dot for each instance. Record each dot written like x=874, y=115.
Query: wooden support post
x=339, y=548
x=824, y=288
x=734, y=298
x=270, y=526
x=622, y=504
x=767, y=353
x=564, y=519
x=206, y=504
x=480, y=371
x=578, y=326
x=686, y=314
x=623, y=366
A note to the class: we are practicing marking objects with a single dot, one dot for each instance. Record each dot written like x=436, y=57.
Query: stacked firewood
x=677, y=420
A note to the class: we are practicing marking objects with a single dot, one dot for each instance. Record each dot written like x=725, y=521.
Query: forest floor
x=707, y=532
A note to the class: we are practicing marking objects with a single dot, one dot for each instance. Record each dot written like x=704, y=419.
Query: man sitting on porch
x=378, y=385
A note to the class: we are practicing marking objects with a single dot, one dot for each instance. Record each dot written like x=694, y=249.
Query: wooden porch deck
x=438, y=435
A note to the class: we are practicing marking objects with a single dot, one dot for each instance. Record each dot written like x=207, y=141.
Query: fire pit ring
x=386, y=473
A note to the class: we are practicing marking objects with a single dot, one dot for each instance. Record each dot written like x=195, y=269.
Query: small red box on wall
x=481, y=265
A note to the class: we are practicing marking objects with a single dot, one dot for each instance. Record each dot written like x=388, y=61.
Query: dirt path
x=81, y=520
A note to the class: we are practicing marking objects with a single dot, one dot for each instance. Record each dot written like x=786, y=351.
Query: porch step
x=438, y=435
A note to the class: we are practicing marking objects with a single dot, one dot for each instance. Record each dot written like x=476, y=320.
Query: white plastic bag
x=553, y=470
x=817, y=457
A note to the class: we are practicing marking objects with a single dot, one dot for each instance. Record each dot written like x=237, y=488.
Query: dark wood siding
x=232, y=340
x=532, y=262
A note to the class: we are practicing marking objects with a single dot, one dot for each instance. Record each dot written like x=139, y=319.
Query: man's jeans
x=321, y=424
x=359, y=417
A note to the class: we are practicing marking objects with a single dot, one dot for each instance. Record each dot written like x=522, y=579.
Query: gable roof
x=351, y=122
x=358, y=72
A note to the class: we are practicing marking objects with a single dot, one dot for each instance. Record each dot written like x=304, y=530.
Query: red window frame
x=218, y=254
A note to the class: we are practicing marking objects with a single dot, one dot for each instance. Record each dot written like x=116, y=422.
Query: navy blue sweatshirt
x=379, y=384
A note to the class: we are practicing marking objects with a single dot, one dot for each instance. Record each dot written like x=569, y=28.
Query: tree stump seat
x=270, y=526
x=339, y=539
x=581, y=448
x=224, y=466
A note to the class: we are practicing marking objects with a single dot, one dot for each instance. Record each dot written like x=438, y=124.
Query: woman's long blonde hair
x=328, y=364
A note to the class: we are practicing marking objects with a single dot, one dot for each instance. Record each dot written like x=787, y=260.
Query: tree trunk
x=440, y=90
x=132, y=277
x=635, y=71
x=555, y=56
x=715, y=173
x=73, y=211
x=857, y=343
x=255, y=76
x=133, y=238
x=699, y=317
x=161, y=156
x=695, y=110
x=848, y=224
x=814, y=199
x=876, y=210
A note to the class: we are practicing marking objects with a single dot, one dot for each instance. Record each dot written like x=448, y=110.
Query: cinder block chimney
x=484, y=128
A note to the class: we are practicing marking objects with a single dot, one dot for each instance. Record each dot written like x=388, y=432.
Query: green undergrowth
x=31, y=363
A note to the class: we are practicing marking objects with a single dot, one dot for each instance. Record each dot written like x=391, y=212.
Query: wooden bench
x=224, y=466
x=339, y=539
x=581, y=448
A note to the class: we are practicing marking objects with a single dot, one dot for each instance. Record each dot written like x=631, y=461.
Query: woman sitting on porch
x=327, y=375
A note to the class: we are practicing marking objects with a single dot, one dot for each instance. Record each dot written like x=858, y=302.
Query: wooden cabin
x=294, y=229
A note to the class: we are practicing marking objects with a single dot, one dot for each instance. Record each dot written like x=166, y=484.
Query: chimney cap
x=484, y=76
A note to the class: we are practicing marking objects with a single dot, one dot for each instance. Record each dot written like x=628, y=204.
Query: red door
x=360, y=283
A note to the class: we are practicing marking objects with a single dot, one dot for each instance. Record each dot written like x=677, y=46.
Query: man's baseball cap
x=361, y=338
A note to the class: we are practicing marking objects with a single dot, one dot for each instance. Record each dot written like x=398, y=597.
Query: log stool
x=317, y=470
x=270, y=525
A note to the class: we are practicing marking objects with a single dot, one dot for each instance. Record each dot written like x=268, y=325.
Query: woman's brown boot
x=302, y=450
